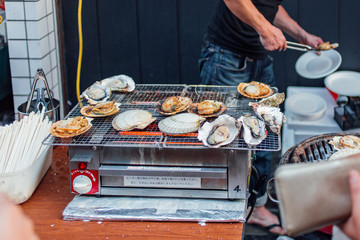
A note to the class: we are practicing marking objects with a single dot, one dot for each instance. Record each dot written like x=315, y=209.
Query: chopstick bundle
x=21, y=142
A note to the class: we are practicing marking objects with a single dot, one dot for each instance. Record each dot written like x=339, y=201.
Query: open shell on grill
x=101, y=109
x=220, y=132
x=272, y=116
x=345, y=142
x=96, y=93
x=71, y=127
x=254, y=90
x=174, y=105
x=180, y=124
x=253, y=129
x=132, y=119
x=207, y=108
x=119, y=83
x=272, y=101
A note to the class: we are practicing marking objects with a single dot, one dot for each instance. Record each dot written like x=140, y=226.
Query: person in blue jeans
x=236, y=45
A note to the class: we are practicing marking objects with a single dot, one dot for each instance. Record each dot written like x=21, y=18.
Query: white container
x=20, y=185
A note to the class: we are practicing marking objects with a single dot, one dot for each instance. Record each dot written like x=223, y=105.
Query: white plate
x=344, y=83
x=306, y=106
x=310, y=65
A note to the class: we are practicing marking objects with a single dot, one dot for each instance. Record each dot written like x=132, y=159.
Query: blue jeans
x=223, y=67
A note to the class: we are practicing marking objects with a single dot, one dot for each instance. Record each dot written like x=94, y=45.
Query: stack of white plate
x=306, y=106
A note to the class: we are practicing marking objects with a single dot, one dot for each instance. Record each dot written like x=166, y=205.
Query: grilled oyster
x=180, y=124
x=132, y=119
x=96, y=93
x=119, y=83
x=272, y=101
x=272, y=117
x=254, y=89
x=100, y=109
x=345, y=142
x=220, y=132
x=175, y=104
x=254, y=129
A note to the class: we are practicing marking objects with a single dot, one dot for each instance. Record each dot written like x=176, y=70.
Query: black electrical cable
x=259, y=182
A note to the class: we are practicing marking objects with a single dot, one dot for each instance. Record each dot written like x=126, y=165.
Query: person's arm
x=287, y=24
x=270, y=36
x=351, y=227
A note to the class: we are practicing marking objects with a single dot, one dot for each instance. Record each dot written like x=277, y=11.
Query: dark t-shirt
x=229, y=32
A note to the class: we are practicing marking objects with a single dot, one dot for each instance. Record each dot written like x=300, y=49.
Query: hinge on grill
x=82, y=158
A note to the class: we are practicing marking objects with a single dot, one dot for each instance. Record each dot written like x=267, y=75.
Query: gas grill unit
x=104, y=161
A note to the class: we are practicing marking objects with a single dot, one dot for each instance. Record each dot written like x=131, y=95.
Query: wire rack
x=147, y=97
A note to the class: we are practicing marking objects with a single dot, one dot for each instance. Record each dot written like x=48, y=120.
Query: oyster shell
x=181, y=123
x=345, y=142
x=119, y=83
x=175, y=104
x=220, y=132
x=131, y=119
x=254, y=129
x=96, y=93
x=254, y=90
x=272, y=116
x=272, y=101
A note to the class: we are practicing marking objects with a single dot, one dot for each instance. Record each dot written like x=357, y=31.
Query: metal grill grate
x=147, y=97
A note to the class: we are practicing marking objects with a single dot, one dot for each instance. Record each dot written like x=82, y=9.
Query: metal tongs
x=40, y=95
x=304, y=47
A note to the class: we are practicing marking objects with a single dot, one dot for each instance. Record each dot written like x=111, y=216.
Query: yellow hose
x=1, y=19
x=80, y=52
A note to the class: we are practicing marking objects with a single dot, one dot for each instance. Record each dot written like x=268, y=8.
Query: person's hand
x=14, y=224
x=273, y=39
x=311, y=40
x=351, y=227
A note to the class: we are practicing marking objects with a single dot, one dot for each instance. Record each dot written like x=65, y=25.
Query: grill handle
x=268, y=191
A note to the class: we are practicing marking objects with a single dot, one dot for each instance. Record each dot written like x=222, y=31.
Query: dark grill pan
x=313, y=149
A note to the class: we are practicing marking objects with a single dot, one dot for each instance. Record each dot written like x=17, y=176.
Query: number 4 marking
x=237, y=188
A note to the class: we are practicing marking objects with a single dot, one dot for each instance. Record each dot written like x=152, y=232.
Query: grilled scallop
x=175, y=104
x=208, y=107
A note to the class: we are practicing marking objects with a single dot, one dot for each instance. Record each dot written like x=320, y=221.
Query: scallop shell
x=272, y=116
x=180, y=124
x=71, y=127
x=209, y=129
x=132, y=119
x=174, y=105
x=90, y=110
x=119, y=83
x=255, y=90
x=96, y=93
x=249, y=136
x=272, y=101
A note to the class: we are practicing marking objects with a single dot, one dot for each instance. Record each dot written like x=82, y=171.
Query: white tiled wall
x=33, y=43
